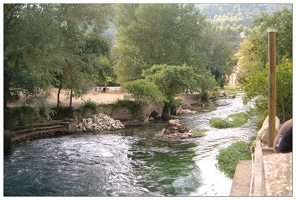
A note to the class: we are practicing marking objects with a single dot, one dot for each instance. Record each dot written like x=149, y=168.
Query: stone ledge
x=242, y=179
x=278, y=172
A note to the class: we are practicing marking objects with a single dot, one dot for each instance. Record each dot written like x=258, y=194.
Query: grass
x=229, y=157
x=232, y=90
x=232, y=121
x=198, y=133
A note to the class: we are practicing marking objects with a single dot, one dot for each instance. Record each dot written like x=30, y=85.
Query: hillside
x=238, y=14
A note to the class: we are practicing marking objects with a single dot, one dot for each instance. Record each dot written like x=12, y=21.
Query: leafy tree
x=144, y=91
x=284, y=90
x=80, y=46
x=253, y=59
x=49, y=44
x=149, y=34
x=27, y=46
x=172, y=35
x=171, y=80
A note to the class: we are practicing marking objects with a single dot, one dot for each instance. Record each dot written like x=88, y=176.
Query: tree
x=27, y=46
x=81, y=47
x=171, y=80
x=48, y=44
x=253, y=59
x=149, y=34
x=144, y=91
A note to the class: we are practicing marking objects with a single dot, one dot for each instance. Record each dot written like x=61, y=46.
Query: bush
x=237, y=120
x=133, y=106
x=20, y=116
x=89, y=104
x=144, y=91
x=229, y=157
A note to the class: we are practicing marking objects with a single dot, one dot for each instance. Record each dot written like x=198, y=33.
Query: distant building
x=233, y=78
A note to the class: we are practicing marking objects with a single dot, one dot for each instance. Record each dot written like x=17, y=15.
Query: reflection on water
x=130, y=162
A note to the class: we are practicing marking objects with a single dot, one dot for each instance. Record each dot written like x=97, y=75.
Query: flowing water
x=131, y=162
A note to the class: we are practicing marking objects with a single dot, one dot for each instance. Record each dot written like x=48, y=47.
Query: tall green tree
x=27, y=49
x=170, y=34
x=80, y=46
x=47, y=44
x=216, y=52
x=149, y=34
x=253, y=59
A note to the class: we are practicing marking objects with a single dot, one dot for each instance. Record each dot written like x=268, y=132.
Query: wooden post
x=272, y=84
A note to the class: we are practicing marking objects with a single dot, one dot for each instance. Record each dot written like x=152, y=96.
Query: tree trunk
x=71, y=94
x=166, y=113
x=58, y=95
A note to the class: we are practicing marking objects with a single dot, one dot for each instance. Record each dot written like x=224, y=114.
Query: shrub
x=133, y=106
x=229, y=157
x=144, y=91
x=89, y=104
x=20, y=116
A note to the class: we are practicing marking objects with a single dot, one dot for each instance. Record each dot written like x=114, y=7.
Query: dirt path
x=112, y=94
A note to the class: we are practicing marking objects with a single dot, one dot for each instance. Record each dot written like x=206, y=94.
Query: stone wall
x=192, y=99
x=143, y=115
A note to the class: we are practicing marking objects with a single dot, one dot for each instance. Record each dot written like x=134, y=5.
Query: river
x=131, y=162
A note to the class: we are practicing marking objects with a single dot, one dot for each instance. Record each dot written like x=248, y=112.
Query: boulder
x=263, y=133
x=185, y=108
x=174, y=129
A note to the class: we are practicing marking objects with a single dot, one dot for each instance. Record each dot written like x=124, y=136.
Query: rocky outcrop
x=98, y=122
x=174, y=129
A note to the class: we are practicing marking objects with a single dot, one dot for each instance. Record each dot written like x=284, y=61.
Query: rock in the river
x=174, y=129
x=185, y=109
x=99, y=122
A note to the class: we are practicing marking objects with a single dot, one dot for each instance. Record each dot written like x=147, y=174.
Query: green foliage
x=219, y=123
x=133, y=106
x=253, y=59
x=46, y=110
x=238, y=119
x=53, y=44
x=284, y=90
x=176, y=102
x=144, y=91
x=171, y=80
x=215, y=91
x=232, y=90
x=64, y=112
x=20, y=116
x=180, y=36
x=87, y=105
x=229, y=157
x=235, y=18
